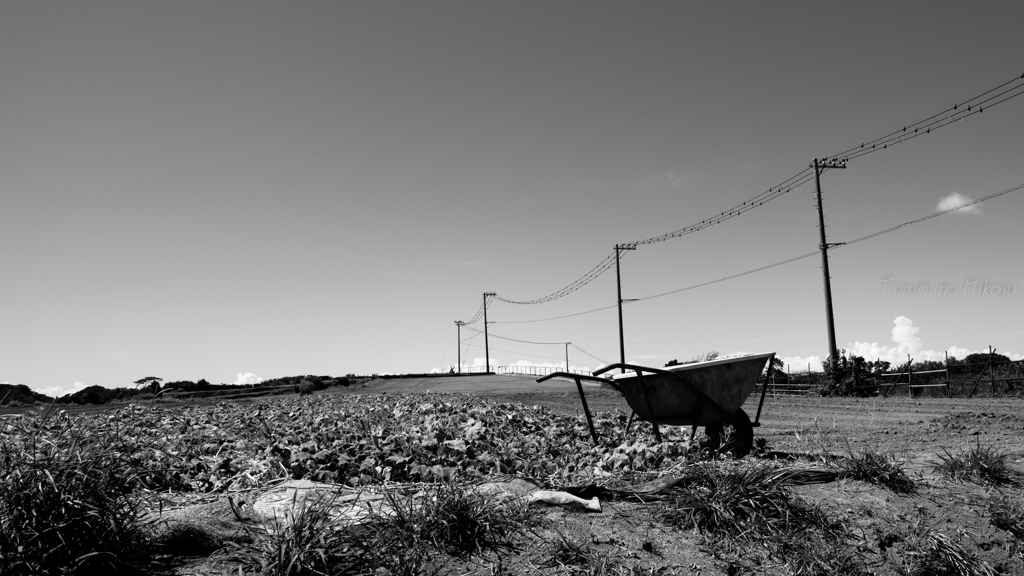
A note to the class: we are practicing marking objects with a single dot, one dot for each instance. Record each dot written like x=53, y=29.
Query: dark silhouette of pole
x=458, y=342
x=618, y=284
x=567, y=356
x=824, y=245
x=487, y=349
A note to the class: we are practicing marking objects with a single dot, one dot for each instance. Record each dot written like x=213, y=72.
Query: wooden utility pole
x=618, y=283
x=948, y=394
x=824, y=245
x=567, y=356
x=487, y=349
x=458, y=343
x=991, y=369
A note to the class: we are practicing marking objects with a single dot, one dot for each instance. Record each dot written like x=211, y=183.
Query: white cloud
x=796, y=364
x=665, y=179
x=904, y=336
x=56, y=391
x=957, y=199
x=476, y=365
x=248, y=378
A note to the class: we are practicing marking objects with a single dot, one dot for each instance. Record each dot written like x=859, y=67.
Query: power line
x=772, y=193
x=975, y=105
x=759, y=269
x=522, y=341
x=709, y=282
x=542, y=344
x=447, y=349
x=479, y=314
x=587, y=278
x=930, y=216
x=788, y=260
x=468, y=340
x=835, y=246
x=589, y=354
x=557, y=317
x=524, y=353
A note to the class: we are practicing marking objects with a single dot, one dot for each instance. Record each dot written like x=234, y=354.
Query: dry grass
x=66, y=502
x=412, y=535
x=928, y=552
x=750, y=508
x=978, y=463
x=1008, y=515
x=875, y=467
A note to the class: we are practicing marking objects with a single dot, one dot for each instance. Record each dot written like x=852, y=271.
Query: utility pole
x=824, y=245
x=618, y=283
x=487, y=349
x=458, y=342
x=567, y=356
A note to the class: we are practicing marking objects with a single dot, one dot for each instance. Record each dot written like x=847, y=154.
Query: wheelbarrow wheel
x=740, y=443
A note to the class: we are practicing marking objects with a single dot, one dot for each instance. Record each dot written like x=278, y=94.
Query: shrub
x=1007, y=515
x=876, y=468
x=462, y=522
x=981, y=464
x=570, y=553
x=66, y=504
x=401, y=538
x=926, y=552
x=742, y=501
x=752, y=510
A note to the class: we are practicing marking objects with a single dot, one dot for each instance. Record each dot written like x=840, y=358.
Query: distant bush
x=12, y=393
x=101, y=395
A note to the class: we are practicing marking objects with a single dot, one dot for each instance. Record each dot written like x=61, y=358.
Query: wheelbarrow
x=709, y=394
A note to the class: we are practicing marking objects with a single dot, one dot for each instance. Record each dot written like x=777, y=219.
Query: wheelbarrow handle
x=583, y=398
x=636, y=368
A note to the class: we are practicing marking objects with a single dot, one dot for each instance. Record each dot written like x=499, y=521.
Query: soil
x=630, y=537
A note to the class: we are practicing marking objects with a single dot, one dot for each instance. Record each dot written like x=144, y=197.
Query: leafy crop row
x=370, y=439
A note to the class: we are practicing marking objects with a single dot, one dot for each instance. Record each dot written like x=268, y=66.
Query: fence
x=954, y=379
x=524, y=370
x=996, y=378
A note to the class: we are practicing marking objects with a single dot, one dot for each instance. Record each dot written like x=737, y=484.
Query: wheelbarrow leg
x=586, y=410
x=764, y=388
x=700, y=412
x=650, y=410
x=629, y=423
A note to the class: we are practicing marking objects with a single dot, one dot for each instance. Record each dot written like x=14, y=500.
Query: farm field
x=839, y=484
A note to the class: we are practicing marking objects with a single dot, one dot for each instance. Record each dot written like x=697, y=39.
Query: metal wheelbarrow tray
x=709, y=394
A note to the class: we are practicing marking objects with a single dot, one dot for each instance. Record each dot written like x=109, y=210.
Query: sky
x=239, y=191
